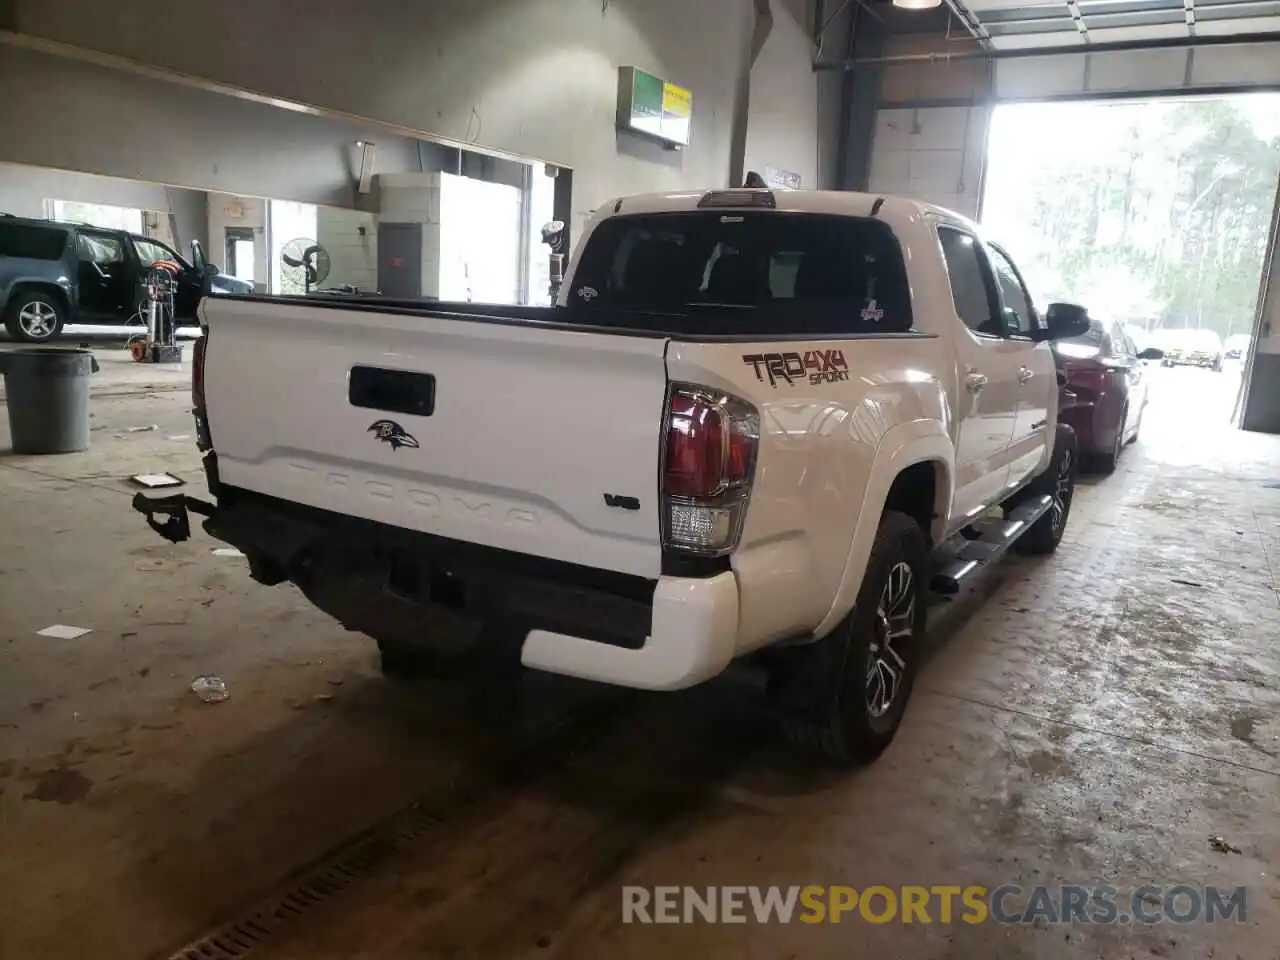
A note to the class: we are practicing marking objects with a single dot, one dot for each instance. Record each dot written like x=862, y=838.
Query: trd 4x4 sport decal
x=816, y=366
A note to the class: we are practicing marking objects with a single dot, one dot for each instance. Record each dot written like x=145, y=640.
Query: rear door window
x=31, y=242
x=741, y=273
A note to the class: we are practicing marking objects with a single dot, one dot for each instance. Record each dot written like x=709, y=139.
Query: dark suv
x=54, y=273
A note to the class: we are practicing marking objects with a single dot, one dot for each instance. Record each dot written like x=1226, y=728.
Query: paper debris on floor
x=153, y=480
x=60, y=631
x=179, y=436
x=227, y=552
x=210, y=689
x=147, y=429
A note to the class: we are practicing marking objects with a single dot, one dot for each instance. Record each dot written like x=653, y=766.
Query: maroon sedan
x=1105, y=372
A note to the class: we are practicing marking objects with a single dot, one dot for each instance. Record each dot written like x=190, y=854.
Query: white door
x=987, y=376
x=1032, y=441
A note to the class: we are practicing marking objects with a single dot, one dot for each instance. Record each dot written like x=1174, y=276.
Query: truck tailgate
x=537, y=440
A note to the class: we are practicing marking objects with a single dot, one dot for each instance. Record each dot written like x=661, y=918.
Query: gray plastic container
x=48, y=398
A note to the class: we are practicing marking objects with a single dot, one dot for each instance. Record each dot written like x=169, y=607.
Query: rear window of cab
x=743, y=272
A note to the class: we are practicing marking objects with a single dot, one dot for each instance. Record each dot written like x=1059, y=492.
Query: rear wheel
x=1058, y=482
x=34, y=317
x=843, y=697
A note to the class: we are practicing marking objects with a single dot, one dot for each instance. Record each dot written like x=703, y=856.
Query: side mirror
x=203, y=268
x=1064, y=321
x=1151, y=353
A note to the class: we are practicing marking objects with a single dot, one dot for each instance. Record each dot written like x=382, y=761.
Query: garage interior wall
x=24, y=190
x=537, y=80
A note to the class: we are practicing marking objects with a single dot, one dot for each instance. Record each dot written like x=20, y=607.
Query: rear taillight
x=197, y=371
x=204, y=442
x=709, y=457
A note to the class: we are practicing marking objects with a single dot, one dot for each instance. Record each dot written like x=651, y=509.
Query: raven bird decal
x=390, y=432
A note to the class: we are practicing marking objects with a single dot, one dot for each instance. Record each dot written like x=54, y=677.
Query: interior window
x=1013, y=294
x=969, y=287
x=100, y=249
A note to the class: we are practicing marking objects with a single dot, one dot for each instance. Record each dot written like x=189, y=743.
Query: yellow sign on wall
x=650, y=105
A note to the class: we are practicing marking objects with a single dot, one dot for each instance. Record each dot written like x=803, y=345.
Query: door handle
x=1024, y=375
x=975, y=381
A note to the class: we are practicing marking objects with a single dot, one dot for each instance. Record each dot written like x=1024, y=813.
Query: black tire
x=493, y=651
x=1059, y=482
x=34, y=316
x=834, y=694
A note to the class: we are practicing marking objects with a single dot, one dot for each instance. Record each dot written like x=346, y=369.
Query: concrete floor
x=1094, y=720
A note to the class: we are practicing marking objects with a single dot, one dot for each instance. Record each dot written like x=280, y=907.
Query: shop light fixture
x=917, y=4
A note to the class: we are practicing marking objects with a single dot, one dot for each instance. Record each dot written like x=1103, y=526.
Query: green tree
x=1164, y=224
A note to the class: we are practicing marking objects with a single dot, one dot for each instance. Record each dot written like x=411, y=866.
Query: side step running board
x=993, y=541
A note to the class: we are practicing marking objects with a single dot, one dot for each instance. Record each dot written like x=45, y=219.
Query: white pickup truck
x=753, y=424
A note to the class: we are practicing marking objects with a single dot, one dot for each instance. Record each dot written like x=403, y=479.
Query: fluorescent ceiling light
x=917, y=4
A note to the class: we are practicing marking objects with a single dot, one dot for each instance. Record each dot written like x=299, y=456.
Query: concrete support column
x=761, y=27
x=1261, y=406
x=861, y=99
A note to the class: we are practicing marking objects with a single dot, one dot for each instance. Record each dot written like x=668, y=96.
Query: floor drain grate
x=365, y=853
x=239, y=937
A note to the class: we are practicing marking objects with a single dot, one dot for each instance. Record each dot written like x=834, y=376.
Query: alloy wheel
x=38, y=320
x=1062, y=492
x=890, y=645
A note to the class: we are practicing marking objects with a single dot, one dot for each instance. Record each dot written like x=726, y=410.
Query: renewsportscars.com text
x=1010, y=904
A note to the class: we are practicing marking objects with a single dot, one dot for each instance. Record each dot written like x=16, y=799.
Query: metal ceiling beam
x=970, y=21
x=1093, y=10
x=1115, y=46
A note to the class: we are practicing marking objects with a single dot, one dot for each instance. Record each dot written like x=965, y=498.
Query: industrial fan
x=305, y=264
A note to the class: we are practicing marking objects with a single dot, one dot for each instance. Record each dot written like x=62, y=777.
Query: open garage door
x=1155, y=215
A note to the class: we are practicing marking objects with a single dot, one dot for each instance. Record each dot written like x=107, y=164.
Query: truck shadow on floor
x=608, y=772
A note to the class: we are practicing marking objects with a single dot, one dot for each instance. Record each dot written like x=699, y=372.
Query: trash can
x=48, y=398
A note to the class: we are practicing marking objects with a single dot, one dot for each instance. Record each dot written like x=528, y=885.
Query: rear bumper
x=667, y=634
x=692, y=637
